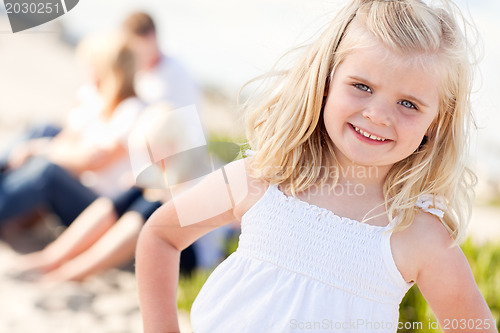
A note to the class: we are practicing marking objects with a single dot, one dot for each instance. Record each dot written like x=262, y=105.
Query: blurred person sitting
x=105, y=234
x=88, y=158
x=160, y=77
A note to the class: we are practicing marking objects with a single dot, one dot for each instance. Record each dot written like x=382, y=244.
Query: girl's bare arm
x=446, y=282
x=163, y=237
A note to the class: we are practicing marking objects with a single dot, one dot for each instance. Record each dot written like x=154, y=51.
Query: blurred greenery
x=223, y=152
x=495, y=201
x=484, y=260
x=189, y=287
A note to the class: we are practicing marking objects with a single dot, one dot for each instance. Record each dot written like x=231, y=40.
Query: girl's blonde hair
x=285, y=125
x=113, y=65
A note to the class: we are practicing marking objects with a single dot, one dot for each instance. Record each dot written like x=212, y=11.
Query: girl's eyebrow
x=406, y=96
x=413, y=98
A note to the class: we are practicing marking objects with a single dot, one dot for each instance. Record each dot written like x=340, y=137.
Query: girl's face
x=380, y=106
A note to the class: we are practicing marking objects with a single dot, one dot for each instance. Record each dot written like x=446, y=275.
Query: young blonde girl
x=356, y=190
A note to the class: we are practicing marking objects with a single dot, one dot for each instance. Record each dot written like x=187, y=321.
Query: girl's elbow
x=153, y=236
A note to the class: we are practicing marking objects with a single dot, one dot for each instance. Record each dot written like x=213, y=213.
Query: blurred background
x=224, y=44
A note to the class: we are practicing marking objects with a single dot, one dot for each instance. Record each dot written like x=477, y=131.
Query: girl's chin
x=364, y=159
x=365, y=156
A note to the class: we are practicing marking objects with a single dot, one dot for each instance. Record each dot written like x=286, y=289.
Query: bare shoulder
x=246, y=190
x=428, y=233
x=413, y=246
x=432, y=244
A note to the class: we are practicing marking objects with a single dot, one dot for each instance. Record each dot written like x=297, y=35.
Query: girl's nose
x=379, y=114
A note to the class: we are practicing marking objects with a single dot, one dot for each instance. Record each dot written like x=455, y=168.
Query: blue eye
x=363, y=87
x=408, y=104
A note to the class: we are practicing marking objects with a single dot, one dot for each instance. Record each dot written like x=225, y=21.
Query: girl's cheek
x=349, y=103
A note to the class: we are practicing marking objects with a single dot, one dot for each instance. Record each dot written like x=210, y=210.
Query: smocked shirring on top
x=314, y=242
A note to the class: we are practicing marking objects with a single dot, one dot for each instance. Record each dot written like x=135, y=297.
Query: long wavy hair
x=285, y=119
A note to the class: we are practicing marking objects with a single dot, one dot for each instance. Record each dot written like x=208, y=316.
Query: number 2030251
x=32, y=8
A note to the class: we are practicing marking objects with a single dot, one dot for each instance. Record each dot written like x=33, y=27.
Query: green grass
x=189, y=287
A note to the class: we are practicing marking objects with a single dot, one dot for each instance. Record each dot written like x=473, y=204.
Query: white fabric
x=167, y=82
x=249, y=153
x=431, y=204
x=299, y=265
x=94, y=131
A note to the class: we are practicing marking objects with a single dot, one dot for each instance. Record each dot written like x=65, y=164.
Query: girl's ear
x=326, y=91
x=422, y=144
x=327, y=86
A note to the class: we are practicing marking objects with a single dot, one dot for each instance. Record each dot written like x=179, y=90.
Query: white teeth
x=368, y=135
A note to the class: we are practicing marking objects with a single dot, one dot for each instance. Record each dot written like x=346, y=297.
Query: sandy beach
x=38, y=79
x=105, y=303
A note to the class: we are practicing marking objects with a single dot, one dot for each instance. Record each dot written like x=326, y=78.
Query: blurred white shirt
x=94, y=131
x=169, y=81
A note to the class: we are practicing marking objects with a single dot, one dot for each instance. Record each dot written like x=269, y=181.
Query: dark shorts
x=133, y=200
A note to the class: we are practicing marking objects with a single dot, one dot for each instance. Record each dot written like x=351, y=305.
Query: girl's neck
x=371, y=176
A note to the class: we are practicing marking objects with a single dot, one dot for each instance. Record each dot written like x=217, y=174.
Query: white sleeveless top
x=299, y=267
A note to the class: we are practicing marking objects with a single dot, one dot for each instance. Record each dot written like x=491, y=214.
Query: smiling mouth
x=369, y=135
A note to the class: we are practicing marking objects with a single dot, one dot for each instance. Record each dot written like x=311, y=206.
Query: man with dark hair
x=139, y=24
x=161, y=78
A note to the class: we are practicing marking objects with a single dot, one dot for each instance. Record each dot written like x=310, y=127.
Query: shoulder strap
x=249, y=152
x=433, y=204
